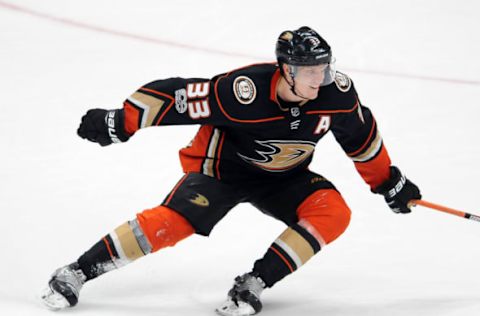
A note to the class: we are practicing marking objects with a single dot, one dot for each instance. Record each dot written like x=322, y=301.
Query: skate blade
x=229, y=308
x=53, y=300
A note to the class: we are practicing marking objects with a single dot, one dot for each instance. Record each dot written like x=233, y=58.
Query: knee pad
x=325, y=215
x=163, y=227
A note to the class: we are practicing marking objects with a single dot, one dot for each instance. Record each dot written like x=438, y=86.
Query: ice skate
x=244, y=297
x=64, y=287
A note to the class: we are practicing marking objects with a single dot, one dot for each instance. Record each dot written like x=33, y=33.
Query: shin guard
x=121, y=246
x=323, y=217
x=152, y=230
x=292, y=249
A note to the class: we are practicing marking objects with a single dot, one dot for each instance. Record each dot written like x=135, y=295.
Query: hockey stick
x=445, y=209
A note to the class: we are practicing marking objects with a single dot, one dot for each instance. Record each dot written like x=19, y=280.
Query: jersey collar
x=273, y=90
x=274, y=86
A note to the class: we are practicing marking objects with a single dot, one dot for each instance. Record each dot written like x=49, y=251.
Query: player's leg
x=322, y=217
x=195, y=205
x=316, y=215
x=150, y=231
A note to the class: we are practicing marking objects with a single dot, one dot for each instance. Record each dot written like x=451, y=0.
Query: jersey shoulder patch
x=338, y=97
x=244, y=89
x=243, y=94
x=342, y=81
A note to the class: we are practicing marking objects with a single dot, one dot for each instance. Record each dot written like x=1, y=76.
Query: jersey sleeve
x=173, y=101
x=357, y=132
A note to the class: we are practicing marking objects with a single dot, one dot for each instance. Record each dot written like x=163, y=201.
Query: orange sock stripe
x=283, y=258
x=108, y=248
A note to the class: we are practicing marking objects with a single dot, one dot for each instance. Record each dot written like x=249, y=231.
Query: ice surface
x=414, y=63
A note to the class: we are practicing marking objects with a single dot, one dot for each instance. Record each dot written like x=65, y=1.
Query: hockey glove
x=398, y=191
x=103, y=127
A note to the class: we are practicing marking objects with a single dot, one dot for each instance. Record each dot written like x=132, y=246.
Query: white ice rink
x=416, y=64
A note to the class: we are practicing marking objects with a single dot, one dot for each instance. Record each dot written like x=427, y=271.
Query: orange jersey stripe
x=175, y=189
x=132, y=117
x=220, y=106
x=219, y=154
x=370, y=135
x=172, y=102
x=332, y=112
x=274, y=85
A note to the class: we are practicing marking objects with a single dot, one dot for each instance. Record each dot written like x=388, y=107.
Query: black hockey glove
x=398, y=191
x=103, y=127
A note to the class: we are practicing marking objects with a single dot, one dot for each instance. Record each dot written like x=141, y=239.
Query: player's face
x=308, y=80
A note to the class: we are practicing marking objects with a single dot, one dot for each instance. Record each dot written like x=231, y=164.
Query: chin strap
x=292, y=76
x=292, y=86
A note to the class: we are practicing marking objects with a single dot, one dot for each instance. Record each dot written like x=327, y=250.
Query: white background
x=415, y=64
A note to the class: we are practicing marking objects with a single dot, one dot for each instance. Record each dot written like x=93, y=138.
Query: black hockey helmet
x=302, y=47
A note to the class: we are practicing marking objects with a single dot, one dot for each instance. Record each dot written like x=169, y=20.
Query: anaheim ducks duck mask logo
x=281, y=155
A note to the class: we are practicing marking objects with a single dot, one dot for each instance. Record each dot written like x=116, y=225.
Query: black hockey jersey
x=247, y=132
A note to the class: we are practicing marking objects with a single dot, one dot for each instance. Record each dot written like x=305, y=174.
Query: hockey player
x=258, y=129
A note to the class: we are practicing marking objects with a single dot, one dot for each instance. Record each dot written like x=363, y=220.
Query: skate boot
x=64, y=287
x=244, y=297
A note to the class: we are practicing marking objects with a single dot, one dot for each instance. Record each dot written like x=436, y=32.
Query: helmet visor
x=317, y=75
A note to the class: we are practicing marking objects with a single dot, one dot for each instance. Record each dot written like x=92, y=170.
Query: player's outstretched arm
x=398, y=191
x=103, y=127
x=358, y=134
